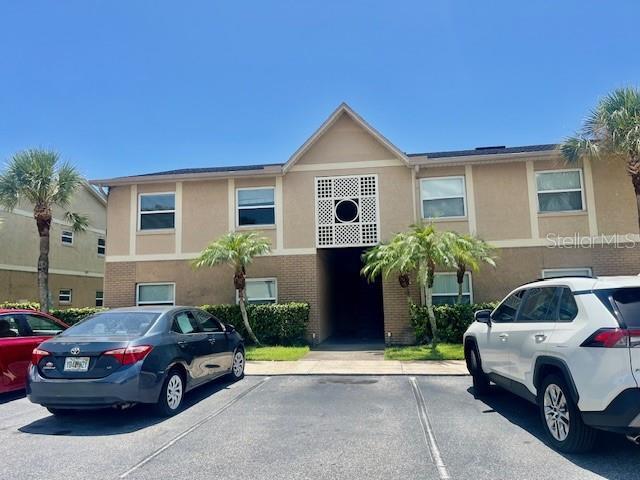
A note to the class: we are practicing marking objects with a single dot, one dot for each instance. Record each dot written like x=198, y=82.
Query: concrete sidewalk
x=357, y=367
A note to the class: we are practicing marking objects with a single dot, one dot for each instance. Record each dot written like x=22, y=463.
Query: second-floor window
x=559, y=191
x=256, y=206
x=157, y=211
x=102, y=247
x=443, y=197
x=67, y=237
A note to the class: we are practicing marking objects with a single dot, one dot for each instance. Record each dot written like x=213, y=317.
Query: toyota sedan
x=117, y=358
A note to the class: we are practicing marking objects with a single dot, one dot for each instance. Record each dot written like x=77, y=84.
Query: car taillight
x=129, y=355
x=37, y=355
x=613, y=338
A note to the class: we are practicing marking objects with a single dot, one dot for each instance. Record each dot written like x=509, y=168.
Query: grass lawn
x=444, y=351
x=276, y=353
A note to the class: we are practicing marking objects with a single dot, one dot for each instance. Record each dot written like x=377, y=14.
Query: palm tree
x=468, y=253
x=386, y=258
x=237, y=250
x=612, y=130
x=421, y=250
x=37, y=177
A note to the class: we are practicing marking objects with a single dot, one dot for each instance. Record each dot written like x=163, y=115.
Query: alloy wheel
x=238, y=364
x=556, y=412
x=174, y=392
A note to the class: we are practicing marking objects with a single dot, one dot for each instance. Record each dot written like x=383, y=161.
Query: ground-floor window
x=445, y=288
x=261, y=290
x=99, y=299
x=64, y=296
x=155, y=293
x=567, y=272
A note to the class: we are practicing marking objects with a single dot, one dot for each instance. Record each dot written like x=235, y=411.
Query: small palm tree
x=468, y=253
x=387, y=258
x=611, y=130
x=37, y=177
x=237, y=250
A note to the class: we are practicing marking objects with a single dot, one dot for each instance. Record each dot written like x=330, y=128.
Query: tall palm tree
x=422, y=250
x=237, y=250
x=468, y=253
x=38, y=177
x=611, y=130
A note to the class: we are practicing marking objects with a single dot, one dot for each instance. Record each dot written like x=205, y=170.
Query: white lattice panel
x=359, y=190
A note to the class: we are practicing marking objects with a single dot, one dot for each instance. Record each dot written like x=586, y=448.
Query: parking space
x=306, y=427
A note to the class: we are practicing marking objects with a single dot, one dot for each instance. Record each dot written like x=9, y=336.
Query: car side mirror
x=229, y=328
x=483, y=316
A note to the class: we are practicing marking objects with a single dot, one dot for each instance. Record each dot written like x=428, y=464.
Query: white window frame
x=67, y=234
x=140, y=212
x=151, y=284
x=545, y=271
x=464, y=197
x=455, y=294
x=101, y=246
x=238, y=207
x=581, y=190
x=101, y=298
x=265, y=279
x=70, y=295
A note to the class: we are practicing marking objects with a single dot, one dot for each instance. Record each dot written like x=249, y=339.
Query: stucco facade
x=501, y=204
x=74, y=265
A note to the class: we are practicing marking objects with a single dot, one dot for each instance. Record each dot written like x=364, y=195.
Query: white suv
x=569, y=345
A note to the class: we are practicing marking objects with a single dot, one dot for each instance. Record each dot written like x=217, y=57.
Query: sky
x=120, y=87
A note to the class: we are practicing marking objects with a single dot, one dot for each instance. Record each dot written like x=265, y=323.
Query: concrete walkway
x=356, y=367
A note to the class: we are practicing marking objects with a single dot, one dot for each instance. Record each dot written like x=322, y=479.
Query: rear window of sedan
x=114, y=324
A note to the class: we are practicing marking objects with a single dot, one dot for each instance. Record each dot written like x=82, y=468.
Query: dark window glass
x=444, y=207
x=101, y=246
x=185, y=322
x=256, y=216
x=42, y=325
x=113, y=323
x=9, y=327
x=560, y=202
x=628, y=302
x=539, y=305
x=152, y=221
x=150, y=203
x=208, y=323
x=506, y=312
x=568, y=308
x=99, y=299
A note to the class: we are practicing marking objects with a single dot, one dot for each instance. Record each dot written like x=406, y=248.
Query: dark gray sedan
x=133, y=355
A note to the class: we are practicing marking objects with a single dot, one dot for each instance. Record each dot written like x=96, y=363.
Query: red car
x=20, y=332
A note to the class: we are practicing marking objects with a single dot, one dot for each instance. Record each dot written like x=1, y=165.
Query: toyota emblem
x=75, y=350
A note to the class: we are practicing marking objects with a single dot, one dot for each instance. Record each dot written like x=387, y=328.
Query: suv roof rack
x=560, y=276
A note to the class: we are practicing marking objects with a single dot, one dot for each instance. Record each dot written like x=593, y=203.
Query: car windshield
x=114, y=323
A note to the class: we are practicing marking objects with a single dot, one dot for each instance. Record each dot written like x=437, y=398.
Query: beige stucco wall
x=502, y=201
x=204, y=213
x=345, y=141
x=118, y=220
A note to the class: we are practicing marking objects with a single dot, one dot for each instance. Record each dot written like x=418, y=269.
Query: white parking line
x=429, y=436
x=194, y=427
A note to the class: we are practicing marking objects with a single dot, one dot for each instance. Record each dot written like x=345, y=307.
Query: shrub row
x=452, y=321
x=273, y=324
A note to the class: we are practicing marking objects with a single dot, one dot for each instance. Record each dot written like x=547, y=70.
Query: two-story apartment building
x=76, y=260
x=348, y=188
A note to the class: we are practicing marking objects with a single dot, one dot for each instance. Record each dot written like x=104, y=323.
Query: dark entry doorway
x=353, y=306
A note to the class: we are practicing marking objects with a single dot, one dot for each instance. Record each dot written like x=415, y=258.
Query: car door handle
x=540, y=337
x=182, y=344
x=503, y=336
x=212, y=339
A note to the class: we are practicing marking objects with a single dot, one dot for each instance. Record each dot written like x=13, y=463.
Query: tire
x=61, y=412
x=480, y=379
x=172, y=394
x=561, y=418
x=237, y=365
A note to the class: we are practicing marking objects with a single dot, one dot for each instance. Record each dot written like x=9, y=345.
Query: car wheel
x=61, y=412
x=480, y=379
x=561, y=418
x=237, y=366
x=171, y=394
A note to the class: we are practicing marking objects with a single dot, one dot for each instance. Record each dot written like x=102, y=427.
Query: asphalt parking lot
x=306, y=427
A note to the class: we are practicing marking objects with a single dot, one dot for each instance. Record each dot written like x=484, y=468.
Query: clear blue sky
x=125, y=87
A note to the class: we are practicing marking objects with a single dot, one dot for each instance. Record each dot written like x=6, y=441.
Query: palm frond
x=79, y=222
x=236, y=249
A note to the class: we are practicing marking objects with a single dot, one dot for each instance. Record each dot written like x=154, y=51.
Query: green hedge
x=273, y=324
x=452, y=320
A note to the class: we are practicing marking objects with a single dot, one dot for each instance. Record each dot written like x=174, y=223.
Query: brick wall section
x=609, y=260
x=396, y=312
x=119, y=284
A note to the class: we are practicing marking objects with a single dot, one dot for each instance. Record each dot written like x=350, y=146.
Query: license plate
x=76, y=364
